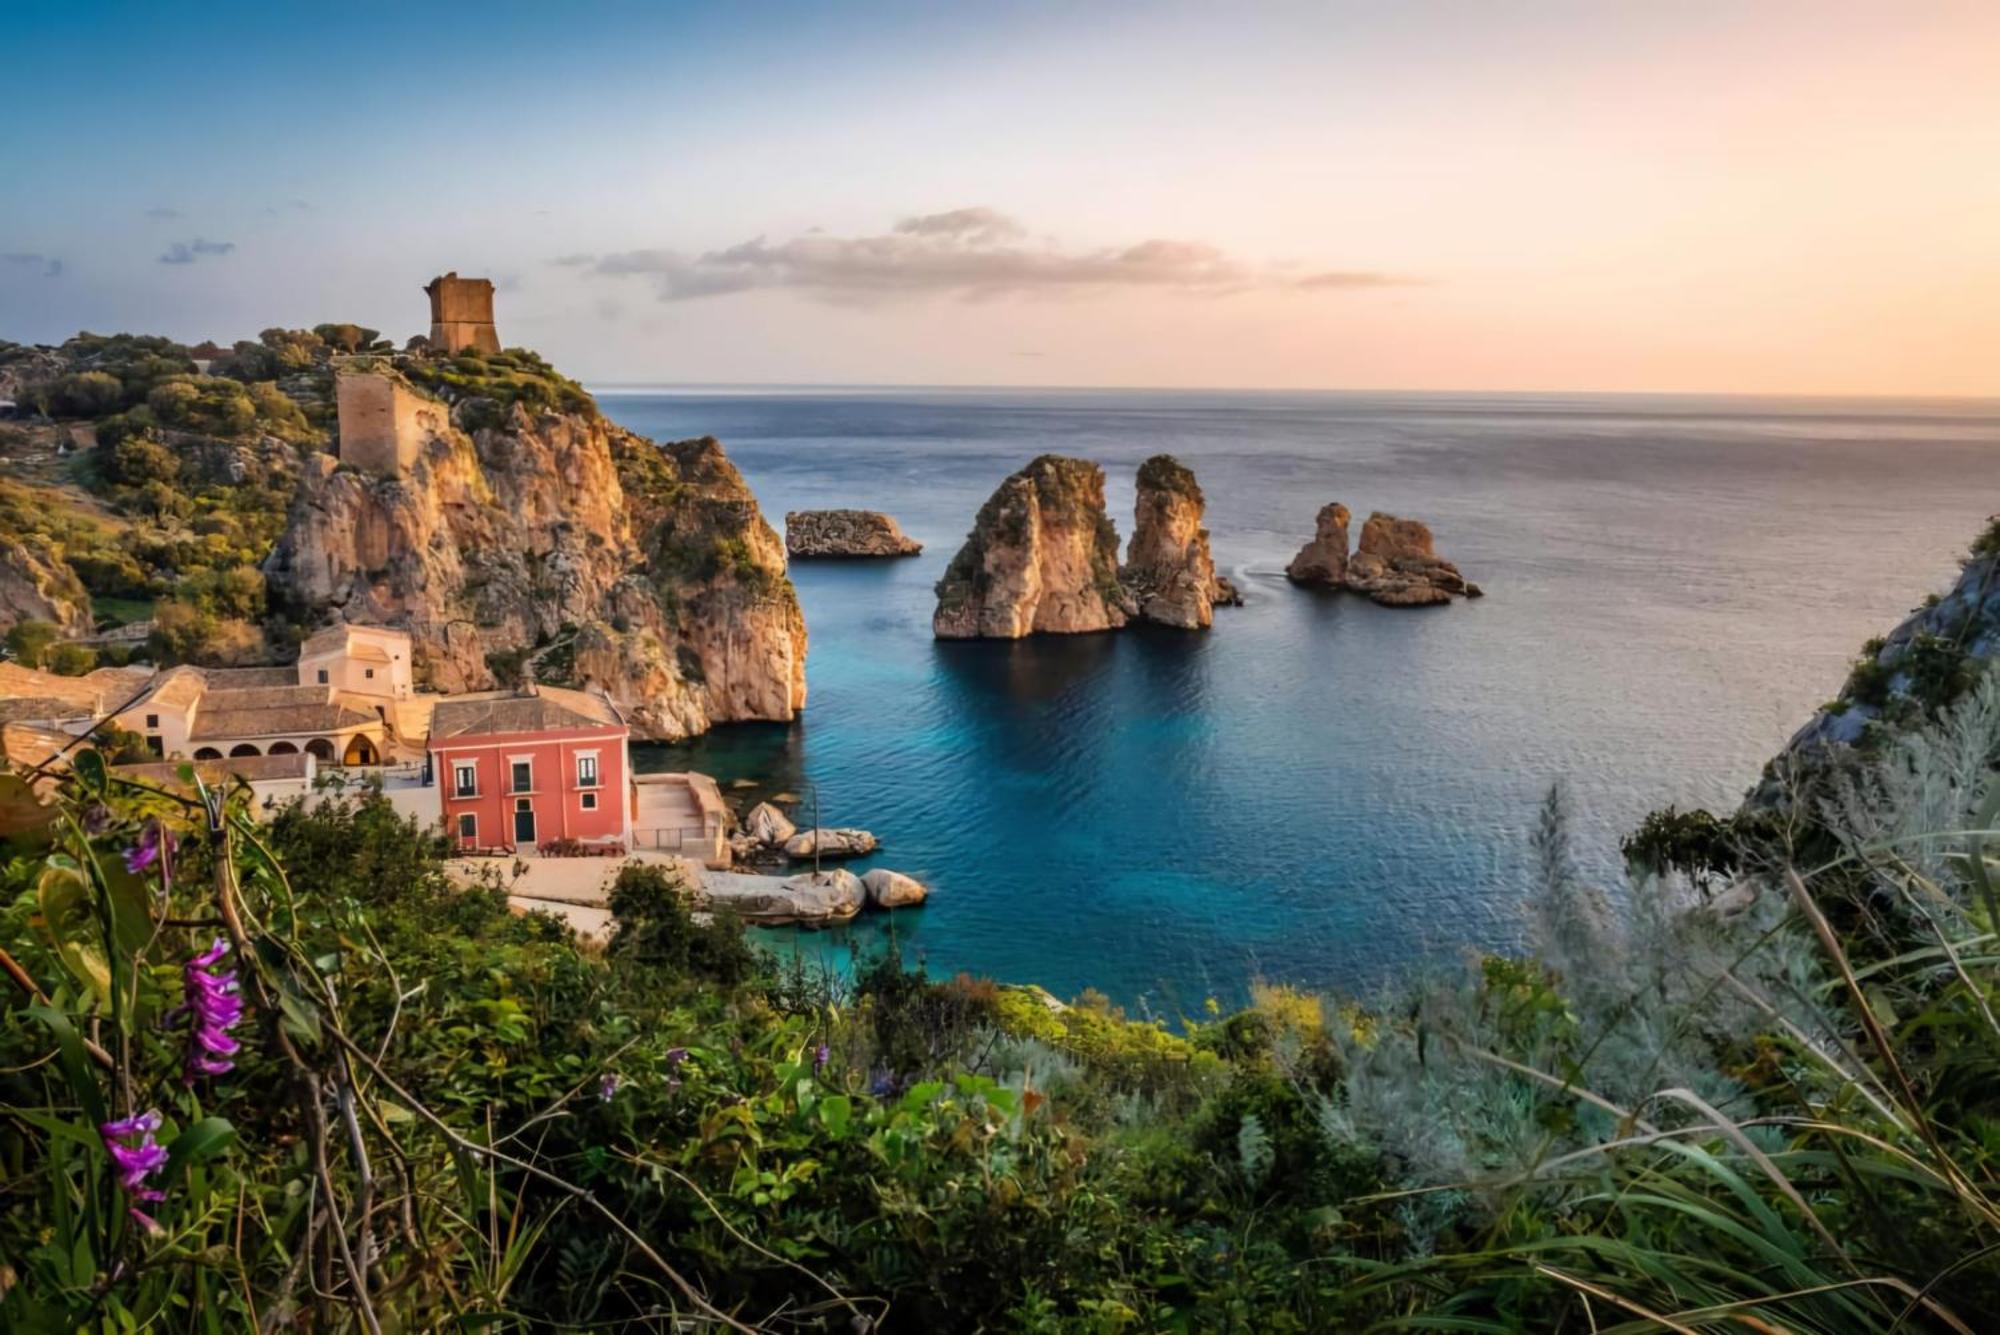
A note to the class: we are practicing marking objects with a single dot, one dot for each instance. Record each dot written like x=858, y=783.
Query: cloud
x=50, y=265
x=974, y=253
x=574, y=261
x=162, y=213
x=187, y=252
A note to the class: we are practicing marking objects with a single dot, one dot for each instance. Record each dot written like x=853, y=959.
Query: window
x=152, y=720
x=586, y=771
x=322, y=676
x=368, y=673
x=468, y=828
x=156, y=747
x=524, y=776
x=590, y=801
x=465, y=779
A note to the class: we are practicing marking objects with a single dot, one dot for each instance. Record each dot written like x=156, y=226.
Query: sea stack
x=1169, y=570
x=1324, y=559
x=846, y=534
x=1042, y=558
x=1395, y=564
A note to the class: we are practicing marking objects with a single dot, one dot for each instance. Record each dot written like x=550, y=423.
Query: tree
x=71, y=659
x=88, y=394
x=29, y=641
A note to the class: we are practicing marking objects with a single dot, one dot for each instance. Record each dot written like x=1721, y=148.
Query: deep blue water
x=1320, y=790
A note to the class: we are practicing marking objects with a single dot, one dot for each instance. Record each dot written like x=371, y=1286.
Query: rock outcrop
x=767, y=825
x=651, y=561
x=34, y=587
x=893, y=890
x=1395, y=564
x=1921, y=666
x=1169, y=571
x=811, y=899
x=1324, y=559
x=817, y=534
x=1042, y=558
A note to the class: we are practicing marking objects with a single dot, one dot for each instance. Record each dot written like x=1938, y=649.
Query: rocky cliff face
x=1395, y=564
x=1324, y=559
x=1042, y=558
x=1920, y=667
x=846, y=533
x=649, y=566
x=1169, y=570
x=33, y=588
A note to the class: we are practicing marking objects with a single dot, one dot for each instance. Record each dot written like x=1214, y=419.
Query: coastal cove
x=1320, y=790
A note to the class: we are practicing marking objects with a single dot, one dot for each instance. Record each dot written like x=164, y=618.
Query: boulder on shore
x=767, y=825
x=1168, y=569
x=829, y=843
x=1042, y=558
x=1324, y=559
x=815, y=534
x=812, y=899
x=893, y=890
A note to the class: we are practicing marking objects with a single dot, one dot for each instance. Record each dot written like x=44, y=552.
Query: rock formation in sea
x=1324, y=559
x=813, y=534
x=893, y=890
x=1395, y=563
x=554, y=543
x=1042, y=558
x=1169, y=571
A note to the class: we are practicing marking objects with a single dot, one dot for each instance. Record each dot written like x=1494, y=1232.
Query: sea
x=1319, y=791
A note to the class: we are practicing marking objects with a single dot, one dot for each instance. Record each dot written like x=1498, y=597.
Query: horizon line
x=768, y=386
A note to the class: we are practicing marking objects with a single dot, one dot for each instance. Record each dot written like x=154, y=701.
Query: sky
x=1746, y=197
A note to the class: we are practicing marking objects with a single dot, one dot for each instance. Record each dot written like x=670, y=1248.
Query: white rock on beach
x=827, y=843
x=767, y=825
x=809, y=899
x=893, y=890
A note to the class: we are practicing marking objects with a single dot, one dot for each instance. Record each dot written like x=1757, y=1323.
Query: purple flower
x=213, y=1007
x=156, y=844
x=136, y=1162
x=820, y=1057
x=883, y=1085
x=607, y=1088
x=675, y=1056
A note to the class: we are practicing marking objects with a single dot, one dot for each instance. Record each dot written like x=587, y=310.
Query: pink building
x=518, y=769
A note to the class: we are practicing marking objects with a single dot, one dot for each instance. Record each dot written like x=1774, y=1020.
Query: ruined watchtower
x=462, y=314
x=384, y=423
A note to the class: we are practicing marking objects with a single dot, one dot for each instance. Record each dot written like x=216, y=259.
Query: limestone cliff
x=1042, y=558
x=1168, y=569
x=649, y=567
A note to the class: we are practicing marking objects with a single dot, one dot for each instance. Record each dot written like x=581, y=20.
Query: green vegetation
x=502, y=379
x=30, y=642
x=1661, y=1115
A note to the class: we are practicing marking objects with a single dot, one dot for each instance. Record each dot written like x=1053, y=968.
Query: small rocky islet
x=846, y=535
x=1042, y=557
x=1395, y=564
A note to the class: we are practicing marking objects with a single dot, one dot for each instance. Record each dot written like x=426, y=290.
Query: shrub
x=655, y=926
x=30, y=641
x=87, y=394
x=71, y=660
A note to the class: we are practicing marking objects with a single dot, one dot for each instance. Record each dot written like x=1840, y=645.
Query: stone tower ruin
x=384, y=424
x=462, y=314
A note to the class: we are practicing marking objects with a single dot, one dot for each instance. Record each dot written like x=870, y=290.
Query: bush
x=71, y=660
x=87, y=394
x=30, y=641
x=655, y=926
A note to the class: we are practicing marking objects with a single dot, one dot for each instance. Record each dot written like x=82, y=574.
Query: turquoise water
x=1320, y=790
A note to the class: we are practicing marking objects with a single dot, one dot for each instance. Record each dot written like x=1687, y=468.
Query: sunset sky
x=1733, y=197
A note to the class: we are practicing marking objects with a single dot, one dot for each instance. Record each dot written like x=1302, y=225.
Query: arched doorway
x=207, y=753
x=320, y=749
x=242, y=749
x=360, y=751
x=282, y=749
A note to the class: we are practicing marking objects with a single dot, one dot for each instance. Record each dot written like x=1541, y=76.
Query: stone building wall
x=462, y=314
x=383, y=423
